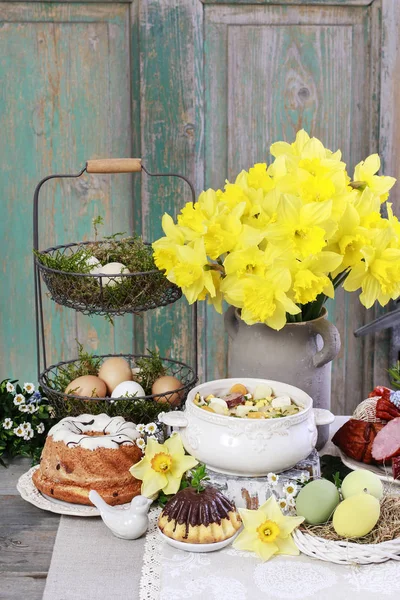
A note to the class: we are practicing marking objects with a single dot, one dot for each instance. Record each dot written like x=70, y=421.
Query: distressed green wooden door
x=64, y=97
x=197, y=87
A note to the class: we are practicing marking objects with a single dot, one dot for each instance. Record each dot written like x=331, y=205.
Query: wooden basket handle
x=114, y=165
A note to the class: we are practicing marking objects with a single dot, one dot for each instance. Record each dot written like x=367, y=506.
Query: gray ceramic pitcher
x=299, y=354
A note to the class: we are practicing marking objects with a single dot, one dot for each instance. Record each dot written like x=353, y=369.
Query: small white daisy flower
x=19, y=431
x=141, y=443
x=291, y=502
x=23, y=408
x=151, y=428
x=32, y=408
x=26, y=426
x=7, y=423
x=283, y=503
x=141, y=428
x=290, y=489
x=19, y=399
x=273, y=478
x=9, y=387
x=304, y=477
x=29, y=388
x=40, y=428
x=52, y=412
x=29, y=434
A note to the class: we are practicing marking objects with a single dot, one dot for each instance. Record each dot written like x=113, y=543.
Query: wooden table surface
x=27, y=537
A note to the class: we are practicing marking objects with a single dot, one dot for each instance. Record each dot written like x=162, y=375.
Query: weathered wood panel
x=170, y=117
x=64, y=98
x=268, y=72
x=27, y=537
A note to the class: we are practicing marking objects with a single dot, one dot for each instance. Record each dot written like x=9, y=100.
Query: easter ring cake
x=89, y=452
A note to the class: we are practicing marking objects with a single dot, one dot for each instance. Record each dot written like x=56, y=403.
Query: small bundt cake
x=199, y=517
x=89, y=452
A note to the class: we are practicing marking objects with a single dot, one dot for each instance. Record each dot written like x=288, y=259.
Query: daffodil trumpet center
x=161, y=462
x=268, y=531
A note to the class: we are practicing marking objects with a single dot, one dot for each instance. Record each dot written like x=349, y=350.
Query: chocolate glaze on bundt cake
x=199, y=517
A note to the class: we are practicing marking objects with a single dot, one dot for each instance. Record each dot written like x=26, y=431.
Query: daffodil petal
x=245, y=541
x=153, y=448
x=172, y=484
x=288, y=524
x=287, y=546
x=252, y=518
x=182, y=464
x=266, y=550
x=140, y=469
x=152, y=483
x=174, y=445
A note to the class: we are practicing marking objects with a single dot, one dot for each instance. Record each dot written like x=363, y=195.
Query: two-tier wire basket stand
x=92, y=294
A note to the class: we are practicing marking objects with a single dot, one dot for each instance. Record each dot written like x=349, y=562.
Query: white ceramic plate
x=384, y=473
x=31, y=494
x=197, y=547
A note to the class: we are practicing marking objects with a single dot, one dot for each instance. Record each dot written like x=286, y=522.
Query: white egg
x=281, y=402
x=110, y=269
x=219, y=406
x=262, y=391
x=242, y=410
x=128, y=389
x=92, y=261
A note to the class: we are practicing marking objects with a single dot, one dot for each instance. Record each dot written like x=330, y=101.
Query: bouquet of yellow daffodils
x=278, y=241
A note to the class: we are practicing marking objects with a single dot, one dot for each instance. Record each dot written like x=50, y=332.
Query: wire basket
x=344, y=552
x=137, y=409
x=97, y=294
x=114, y=294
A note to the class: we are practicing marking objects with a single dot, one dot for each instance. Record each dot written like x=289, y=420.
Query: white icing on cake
x=115, y=432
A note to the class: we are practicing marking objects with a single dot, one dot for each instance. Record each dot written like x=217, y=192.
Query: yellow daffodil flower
x=304, y=225
x=215, y=301
x=282, y=235
x=267, y=531
x=189, y=273
x=259, y=179
x=262, y=299
x=192, y=218
x=311, y=276
x=365, y=172
x=162, y=466
x=165, y=254
x=378, y=274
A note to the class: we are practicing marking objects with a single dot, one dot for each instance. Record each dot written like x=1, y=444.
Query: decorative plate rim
x=354, y=465
x=213, y=547
x=31, y=494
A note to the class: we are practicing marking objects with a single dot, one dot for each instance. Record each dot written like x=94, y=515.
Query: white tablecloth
x=90, y=564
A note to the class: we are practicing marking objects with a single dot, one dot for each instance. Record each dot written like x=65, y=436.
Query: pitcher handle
x=331, y=339
x=231, y=322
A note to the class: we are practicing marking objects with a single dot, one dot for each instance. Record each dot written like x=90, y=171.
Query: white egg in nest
x=112, y=268
x=92, y=262
x=128, y=389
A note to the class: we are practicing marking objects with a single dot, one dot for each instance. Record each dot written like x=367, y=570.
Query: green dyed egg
x=361, y=481
x=356, y=516
x=317, y=500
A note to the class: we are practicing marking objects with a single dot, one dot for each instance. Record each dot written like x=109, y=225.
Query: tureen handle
x=175, y=418
x=323, y=416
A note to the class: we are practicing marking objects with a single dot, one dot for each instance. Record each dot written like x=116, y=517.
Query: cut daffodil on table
x=267, y=531
x=162, y=466
x=279, y=241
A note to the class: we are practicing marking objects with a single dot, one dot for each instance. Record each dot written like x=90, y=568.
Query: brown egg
x=114, y=371
x=165, y=384
x=87, y=385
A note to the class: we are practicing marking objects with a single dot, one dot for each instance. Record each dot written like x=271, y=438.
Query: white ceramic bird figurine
x=126, y=523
